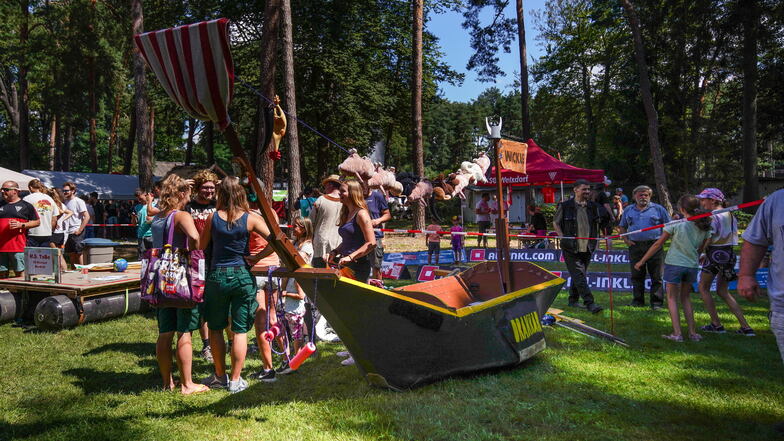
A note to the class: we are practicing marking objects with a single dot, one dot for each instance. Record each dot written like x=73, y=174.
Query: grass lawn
x=99, y=381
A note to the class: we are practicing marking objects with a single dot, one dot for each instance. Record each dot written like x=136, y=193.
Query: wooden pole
x=277, y=239
x=502, y=225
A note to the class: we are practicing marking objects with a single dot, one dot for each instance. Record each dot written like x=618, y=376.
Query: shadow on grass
x=140, y=349
x=94, y=382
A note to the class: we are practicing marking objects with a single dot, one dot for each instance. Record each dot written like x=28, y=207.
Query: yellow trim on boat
x=466, y=310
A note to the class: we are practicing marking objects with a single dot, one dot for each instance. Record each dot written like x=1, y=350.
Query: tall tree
x=292, y=133
x=144, y=145
x=265, y=167
x=750, y=13
x=523, y=70
x=650, y=110
x=24, y=98
x=416, y=102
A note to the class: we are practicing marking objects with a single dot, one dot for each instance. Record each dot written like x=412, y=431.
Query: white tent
x=19, y=178
x=107, y=186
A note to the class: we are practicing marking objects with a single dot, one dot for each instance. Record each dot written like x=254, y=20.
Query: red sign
x=427, y=273
x=477, y=255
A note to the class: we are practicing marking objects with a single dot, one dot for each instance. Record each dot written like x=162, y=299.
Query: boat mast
x=502, y=222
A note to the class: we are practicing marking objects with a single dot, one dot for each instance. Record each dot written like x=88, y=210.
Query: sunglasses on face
x=66, y=191
x=4, y=189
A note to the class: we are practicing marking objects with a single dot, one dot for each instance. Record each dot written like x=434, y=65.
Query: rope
x=308, y=126
x=126, y=302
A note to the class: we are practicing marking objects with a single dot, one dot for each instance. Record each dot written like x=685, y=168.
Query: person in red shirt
x=16, y=217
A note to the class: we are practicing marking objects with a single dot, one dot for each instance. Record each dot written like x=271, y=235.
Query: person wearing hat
x=624, y=198
x=720, y=261
x=637, y=216
x=457, y=239
x=324, y=215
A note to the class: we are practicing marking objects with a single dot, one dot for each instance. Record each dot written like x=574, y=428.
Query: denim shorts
x=679, y=274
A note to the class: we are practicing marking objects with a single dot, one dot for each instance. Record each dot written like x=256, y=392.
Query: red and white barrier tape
x=531, y=236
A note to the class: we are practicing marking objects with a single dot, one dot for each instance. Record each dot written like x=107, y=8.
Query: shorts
x=12, y=261
x=361, y=269
x=296, y=324
x=433, y=247
x=483, y=226
x=74, y=243
x=58, y=239
x=230, y=291
x=143, y=244
x=178, y=319
x=721, y=261
x=377, y=256
x=679, y=274
x=263, y=281
x=39, y=241
x=457, y=247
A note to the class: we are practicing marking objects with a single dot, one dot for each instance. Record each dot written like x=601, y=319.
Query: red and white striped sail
x=193, y=64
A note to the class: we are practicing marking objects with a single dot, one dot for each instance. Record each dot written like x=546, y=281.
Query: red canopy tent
x=542, y=169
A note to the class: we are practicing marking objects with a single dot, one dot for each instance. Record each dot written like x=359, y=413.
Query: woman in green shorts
x=174, y=195
x=230, y=289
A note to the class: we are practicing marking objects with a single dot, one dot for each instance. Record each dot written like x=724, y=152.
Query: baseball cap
x=711, y=193
x=619, y=189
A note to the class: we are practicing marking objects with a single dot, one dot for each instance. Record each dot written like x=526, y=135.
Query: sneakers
x=266, y=376
x=343, y=354
x=576, y=305
x=348, y=362
x=594, y=308
x=206, y=353
x=215, y=382
x=713, y=328
x=748, y=332
x=237, y=386
x=284, y=369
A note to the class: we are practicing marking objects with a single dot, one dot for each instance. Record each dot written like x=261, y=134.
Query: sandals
x=672, y=337
x=695, y=337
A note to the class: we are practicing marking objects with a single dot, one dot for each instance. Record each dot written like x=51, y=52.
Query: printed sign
x=545, y=255
x=427, y=273
x=513, y=155
x=445, y=256
x=391, y=270
x=40, y=260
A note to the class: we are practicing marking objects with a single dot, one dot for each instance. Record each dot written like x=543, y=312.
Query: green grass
x=99, y=381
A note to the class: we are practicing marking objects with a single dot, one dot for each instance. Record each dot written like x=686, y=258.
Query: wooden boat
x=484, y=317
x=414, y=335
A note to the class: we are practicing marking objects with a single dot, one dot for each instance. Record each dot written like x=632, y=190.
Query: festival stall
x=543, y=172
x=106, y=185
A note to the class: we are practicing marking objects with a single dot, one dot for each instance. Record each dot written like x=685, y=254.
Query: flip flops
x=695, y=337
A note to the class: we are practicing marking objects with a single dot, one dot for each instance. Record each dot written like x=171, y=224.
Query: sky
x=455, y=44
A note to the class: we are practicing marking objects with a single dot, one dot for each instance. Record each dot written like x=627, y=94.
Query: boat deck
x=73, y=284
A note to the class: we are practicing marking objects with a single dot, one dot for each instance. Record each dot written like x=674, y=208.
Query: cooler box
x=98, y=250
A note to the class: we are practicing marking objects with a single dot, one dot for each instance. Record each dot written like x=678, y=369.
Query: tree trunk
x=58, y=146
x=113, y=133
x=189, y=144
x=69, y=137
x=265, y=167
x=128, y=156
x=143, y=135
x=209, y=142
x=523, y=71
x=750, y=13
x=416, y=103
x=24, y=109
x=53, y=143
x=290, y=92
x=93, y=136
x=590, y=121
x=650, y=109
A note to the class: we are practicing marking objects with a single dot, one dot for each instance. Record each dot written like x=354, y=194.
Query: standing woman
x=230, y=288
x=356, y=232
x=175, y=193
x=59, y=235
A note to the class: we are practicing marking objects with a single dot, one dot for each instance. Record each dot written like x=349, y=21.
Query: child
x=433, y=242
x=682, y=263
x=720, y=261
x=293, y=296
x=457, y=239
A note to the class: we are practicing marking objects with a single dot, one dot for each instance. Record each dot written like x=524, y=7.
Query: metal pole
x=609, y=283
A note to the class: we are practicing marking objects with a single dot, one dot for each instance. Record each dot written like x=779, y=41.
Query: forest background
x=70, y=101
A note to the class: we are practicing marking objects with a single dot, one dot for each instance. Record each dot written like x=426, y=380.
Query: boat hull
x=405, y=339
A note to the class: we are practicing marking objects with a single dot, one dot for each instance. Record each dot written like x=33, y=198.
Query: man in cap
x=324, y=215
x=16, y=217
x=644, y=214
x=624, y=198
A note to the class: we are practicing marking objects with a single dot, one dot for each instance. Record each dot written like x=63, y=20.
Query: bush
x=548, y=210
x=743, y=219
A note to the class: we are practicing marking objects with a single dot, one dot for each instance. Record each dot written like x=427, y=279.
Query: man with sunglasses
x=16, y=217
x=76, y=224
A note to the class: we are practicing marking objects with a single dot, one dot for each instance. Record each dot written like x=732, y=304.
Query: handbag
x=172, y=277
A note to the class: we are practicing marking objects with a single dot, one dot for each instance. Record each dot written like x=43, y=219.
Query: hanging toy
x=302, y=355
x=278, y=130
x=272, y=332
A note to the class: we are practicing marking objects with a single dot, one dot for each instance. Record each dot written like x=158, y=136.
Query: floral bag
x=172, y=277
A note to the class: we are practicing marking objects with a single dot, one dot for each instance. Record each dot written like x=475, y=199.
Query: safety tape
x=532, y=236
